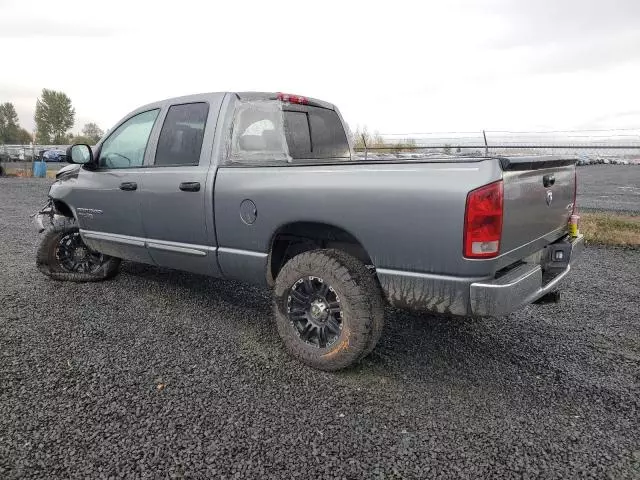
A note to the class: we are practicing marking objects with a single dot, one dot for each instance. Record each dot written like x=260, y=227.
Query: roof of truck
x=285, y=97
x=243, y=96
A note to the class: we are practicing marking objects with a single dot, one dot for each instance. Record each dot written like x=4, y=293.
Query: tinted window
x=125, y=147
x=296, y=127
x=181, y=137
x=328, y=138
x=315, y=134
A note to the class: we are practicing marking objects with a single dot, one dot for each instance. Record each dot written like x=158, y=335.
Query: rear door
x=177, y=206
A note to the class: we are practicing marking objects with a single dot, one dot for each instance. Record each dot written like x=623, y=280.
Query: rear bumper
x=496, y=296
x=520, y=286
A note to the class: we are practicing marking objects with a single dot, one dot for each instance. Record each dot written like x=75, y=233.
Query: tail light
x=483, y=221
x=289, y=98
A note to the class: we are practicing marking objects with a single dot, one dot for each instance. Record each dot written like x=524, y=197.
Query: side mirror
x=80, y=154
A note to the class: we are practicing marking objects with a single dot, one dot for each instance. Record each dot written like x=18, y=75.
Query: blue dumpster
x=40, y=169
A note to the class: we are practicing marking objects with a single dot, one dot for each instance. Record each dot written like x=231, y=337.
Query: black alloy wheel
x=314, y=310
x=74, y=256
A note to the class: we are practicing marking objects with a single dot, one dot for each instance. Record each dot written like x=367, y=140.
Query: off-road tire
x=361, y=302
x=49, y=265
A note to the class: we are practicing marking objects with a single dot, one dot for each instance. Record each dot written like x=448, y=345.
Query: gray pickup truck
x=265, y=188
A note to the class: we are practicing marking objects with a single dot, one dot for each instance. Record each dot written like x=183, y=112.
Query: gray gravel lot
x=609, y=187
x=163, y=374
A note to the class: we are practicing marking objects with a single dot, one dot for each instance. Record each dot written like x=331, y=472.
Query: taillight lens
x=483, y=221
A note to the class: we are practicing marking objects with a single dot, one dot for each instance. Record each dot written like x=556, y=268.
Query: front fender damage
x=48, y=216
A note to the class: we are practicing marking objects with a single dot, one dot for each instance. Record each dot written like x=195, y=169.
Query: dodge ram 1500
x=265, y=188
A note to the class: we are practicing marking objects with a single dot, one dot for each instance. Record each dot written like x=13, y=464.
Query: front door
x=176, y=195
x=107, y=199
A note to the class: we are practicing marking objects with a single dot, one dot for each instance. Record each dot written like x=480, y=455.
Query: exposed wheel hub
x=319, y=310
x=315, y=312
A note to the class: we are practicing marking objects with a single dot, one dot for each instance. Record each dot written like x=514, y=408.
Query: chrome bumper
x=520, y=286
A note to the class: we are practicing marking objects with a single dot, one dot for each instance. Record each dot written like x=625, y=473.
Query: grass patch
x=610, y=229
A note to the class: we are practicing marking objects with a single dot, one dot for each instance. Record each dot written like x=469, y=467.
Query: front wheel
x=329, y=309
x=62, y=255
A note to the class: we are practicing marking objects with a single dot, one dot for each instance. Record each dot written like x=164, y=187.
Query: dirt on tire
x=361, y=301
x=48, y=264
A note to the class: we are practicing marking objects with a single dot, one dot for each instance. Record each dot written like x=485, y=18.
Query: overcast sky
x=396, y=66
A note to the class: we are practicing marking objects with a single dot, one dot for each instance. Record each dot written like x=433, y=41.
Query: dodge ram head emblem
x=549, y=197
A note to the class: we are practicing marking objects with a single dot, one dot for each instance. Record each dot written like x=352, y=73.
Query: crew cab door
x=177, y=199
x=107, y=199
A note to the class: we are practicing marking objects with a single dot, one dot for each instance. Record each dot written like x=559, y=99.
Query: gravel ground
x=163, y=374
x=609, y=187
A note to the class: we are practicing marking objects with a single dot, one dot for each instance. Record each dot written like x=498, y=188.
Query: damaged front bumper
x=44, y=218
x=525, y=283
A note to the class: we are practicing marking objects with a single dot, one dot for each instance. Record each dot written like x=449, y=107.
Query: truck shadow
x=413, y=346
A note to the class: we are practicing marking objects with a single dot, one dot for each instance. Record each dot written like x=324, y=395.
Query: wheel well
x=62, y=208
x=299, y=237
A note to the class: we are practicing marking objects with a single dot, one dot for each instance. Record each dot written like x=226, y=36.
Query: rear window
x=296, y=126
x=267, y=131
x=327, y=134
x=316, y=133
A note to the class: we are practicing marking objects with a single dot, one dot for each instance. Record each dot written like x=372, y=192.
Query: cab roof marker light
x=290, y=98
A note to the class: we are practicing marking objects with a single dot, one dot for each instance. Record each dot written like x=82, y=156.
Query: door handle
x=548, y=180
x=190, y=186
x=129, y=186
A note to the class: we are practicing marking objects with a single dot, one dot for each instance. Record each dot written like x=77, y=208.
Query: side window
x=125, y=147
x=181, y=137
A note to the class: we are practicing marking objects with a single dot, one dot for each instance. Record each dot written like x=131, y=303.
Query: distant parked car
x=54, y=155
x=14, y=153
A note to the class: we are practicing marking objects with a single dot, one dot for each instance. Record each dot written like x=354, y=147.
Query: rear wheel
x=62, y=255
x=329, y=309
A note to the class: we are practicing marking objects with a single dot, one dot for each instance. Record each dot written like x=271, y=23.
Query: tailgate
x=538, y=198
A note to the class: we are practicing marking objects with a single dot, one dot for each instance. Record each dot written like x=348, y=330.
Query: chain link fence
x=588, y=146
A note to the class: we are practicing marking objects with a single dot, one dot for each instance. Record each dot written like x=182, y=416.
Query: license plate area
x=557, y=256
